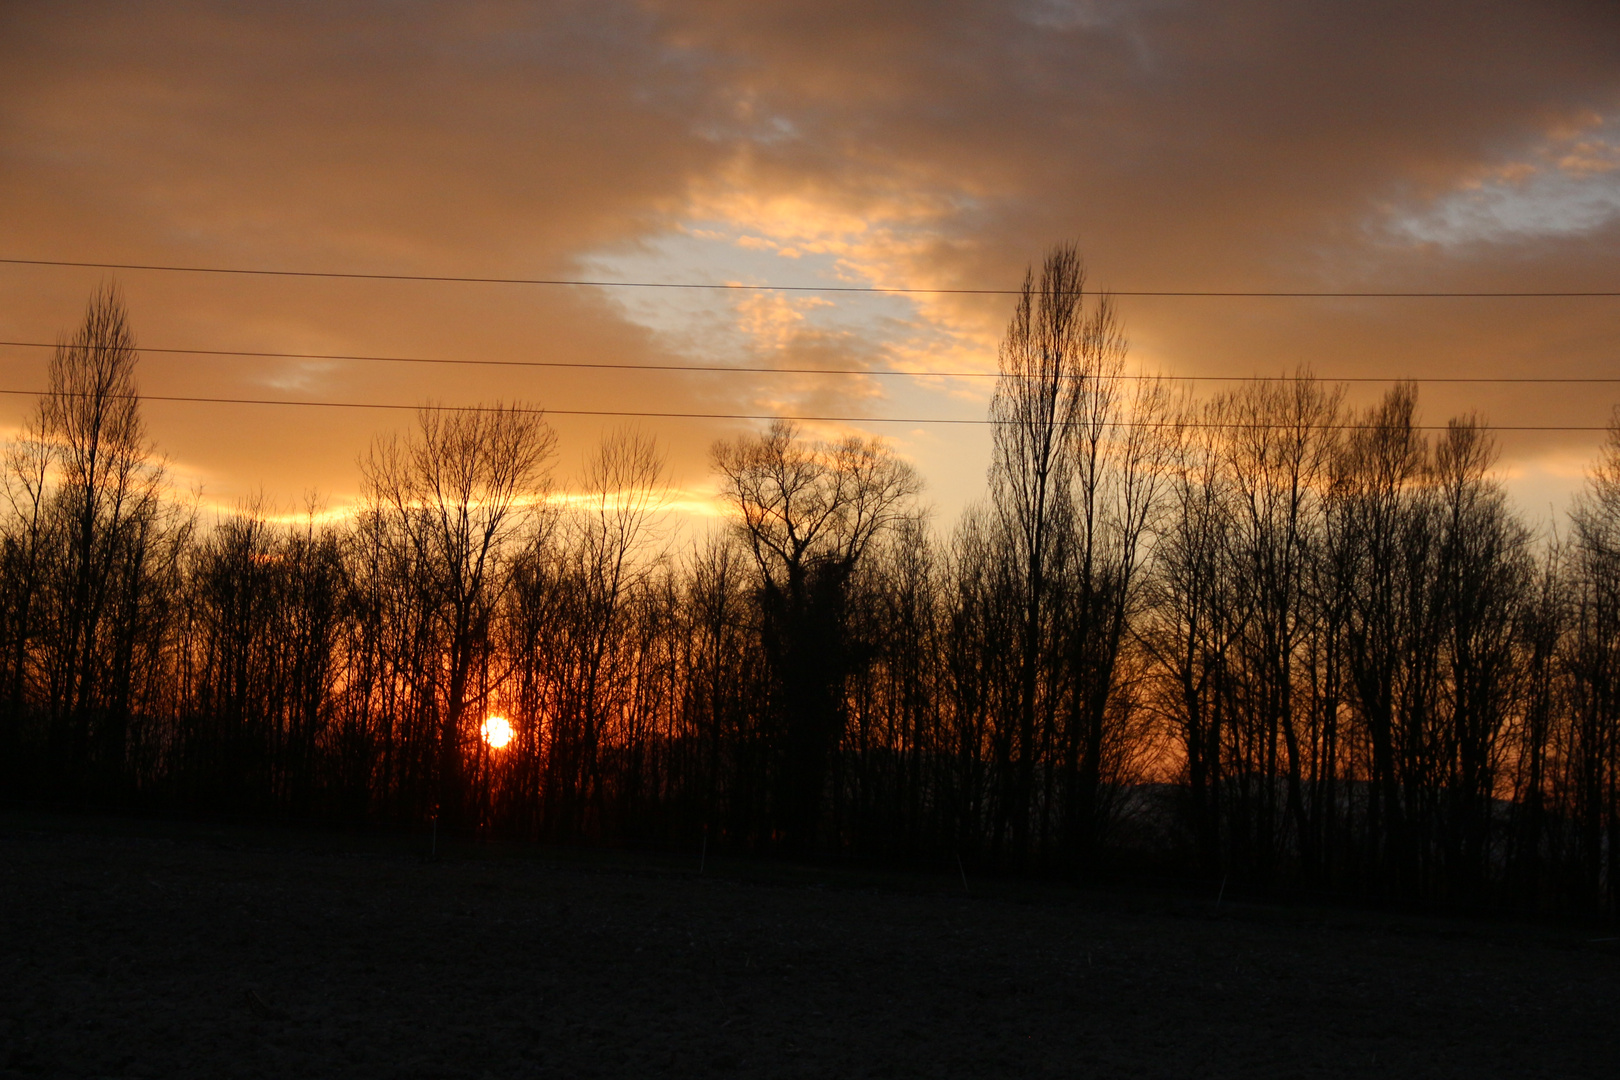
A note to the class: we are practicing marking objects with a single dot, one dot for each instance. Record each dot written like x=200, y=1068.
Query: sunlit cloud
x=1567, y=185
x=879, y=236
x=773, y=320
x=1206, y=146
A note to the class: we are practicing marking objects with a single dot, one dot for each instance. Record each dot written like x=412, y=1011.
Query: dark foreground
x=146, y=951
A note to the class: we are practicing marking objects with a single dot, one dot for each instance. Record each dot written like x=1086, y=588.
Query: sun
x=497, y=731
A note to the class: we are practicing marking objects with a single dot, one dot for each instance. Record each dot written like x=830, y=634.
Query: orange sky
x=1216, y=146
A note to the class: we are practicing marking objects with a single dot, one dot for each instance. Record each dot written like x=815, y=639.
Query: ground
x=141, y=949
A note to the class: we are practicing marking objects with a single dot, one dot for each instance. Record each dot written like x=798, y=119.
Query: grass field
x=140, y=949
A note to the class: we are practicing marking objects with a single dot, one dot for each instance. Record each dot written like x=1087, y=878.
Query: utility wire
x=634, y=414
x=755, y=370
x=871, y=289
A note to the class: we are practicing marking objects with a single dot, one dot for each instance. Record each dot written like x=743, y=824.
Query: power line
x=583, y=364
x=869, y=289
x=756, y=370
x=391, y=406
x=635, y=414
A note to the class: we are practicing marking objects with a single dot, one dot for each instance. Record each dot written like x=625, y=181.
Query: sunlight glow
x=497, y=731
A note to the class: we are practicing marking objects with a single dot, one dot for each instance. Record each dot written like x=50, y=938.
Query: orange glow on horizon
x=497, y=732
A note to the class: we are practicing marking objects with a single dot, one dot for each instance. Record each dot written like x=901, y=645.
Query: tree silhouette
x=452, y=502
x=1260, y=636
x=809, y=514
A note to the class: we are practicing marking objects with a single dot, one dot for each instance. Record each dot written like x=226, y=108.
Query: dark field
x=131, y=949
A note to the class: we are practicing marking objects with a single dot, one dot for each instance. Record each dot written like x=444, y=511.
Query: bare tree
x=1591, y=741
x=1122, y=454
x=1280, y=441
x=1484, y=591
x=1196, y=614
x=1382, y=544
x=608, y=554
x=105, y=519
x=809, y=513
x=23, y=558
x=1074, y=483
x=724, y=699
x=983, y=618
x=1039, y=415
x=457, y=497
x=1364, y=678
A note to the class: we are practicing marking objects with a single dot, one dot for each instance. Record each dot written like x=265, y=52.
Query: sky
x=1230, y=146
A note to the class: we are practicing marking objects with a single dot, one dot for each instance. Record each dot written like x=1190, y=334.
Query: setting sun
x=497, y=731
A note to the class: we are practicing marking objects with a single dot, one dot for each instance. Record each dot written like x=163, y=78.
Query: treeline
x=1263, y=636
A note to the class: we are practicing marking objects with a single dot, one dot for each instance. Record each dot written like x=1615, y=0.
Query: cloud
x=945, y=144
x=1559, y=187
